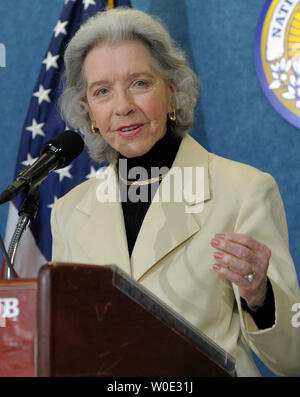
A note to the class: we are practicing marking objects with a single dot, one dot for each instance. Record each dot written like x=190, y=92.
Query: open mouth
x=130, y=131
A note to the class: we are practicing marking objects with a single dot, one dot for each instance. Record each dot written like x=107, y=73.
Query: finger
x=237, y=250
x=232, y=263
x=235, y=278
x=245, y=240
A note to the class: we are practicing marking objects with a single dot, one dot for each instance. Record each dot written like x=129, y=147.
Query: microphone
x=56, y=153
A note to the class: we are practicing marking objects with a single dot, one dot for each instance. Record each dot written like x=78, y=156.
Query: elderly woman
x=220, y=257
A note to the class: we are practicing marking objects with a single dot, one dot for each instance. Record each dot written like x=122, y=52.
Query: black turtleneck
x=136, y=199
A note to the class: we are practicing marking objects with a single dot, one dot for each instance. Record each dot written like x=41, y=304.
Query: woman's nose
x=124, y=103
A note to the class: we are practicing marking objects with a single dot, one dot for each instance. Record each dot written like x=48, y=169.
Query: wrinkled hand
x=238, y=256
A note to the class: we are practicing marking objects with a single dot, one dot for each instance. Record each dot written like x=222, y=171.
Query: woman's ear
x=172, y=87
x=88, y=108
x=172, y=91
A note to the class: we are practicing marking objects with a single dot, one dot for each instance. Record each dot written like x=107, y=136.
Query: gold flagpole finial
x=110, y=4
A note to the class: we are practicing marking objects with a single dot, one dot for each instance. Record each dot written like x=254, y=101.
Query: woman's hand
x=239, y=257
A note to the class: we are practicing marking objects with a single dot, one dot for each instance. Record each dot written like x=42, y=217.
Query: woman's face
x=126, y=97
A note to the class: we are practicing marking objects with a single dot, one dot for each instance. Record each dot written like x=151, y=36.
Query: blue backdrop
x=234, y=119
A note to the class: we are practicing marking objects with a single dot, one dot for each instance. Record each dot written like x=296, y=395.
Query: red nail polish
x=218, y=255
x=216, y=267
x=220, y=235
x=215, y=242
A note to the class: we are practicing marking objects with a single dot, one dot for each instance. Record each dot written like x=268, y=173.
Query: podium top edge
x=19, y=283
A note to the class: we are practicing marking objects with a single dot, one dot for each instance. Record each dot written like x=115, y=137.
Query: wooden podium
x=96, y=321
x=17, y=327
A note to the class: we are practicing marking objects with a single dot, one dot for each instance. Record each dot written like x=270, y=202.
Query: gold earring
x=172, y=115
x=96, y=133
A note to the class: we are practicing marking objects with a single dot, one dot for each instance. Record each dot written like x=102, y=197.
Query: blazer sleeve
x=262, y=216
x=58, y=246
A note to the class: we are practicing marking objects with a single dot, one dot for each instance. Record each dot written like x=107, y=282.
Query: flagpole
x=8, y=268
x=110, y=4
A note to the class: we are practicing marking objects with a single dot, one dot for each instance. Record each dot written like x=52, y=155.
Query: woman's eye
x=140, y=83
x=102, y=91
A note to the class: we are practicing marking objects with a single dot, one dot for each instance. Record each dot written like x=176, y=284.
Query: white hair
x=114, y=27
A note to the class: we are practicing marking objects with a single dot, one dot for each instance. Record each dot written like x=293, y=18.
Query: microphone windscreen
x=70, y=144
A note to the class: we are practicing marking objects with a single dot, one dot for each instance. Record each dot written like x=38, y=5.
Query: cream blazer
x=173, y=258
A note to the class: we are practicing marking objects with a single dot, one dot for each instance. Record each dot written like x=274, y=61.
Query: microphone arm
x=27, y=214
x=57, y=153
x=31, y=176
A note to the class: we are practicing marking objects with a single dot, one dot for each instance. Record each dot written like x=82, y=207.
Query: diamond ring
x=250, y=277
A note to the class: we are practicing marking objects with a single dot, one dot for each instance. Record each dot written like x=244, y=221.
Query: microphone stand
x=26, y=214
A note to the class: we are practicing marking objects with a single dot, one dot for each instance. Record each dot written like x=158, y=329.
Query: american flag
x=42, y=122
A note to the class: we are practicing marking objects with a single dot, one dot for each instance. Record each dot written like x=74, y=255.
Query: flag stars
x=29, y=160
x=60, y=27
x=50, y=61
x=88, y=3
x=36, y=128
x=64, y=173
x=54, y=201
x=42, y=94
x=92, y=173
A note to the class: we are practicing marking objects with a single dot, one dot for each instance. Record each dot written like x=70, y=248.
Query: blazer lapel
x=104, y=220
x=168, y=223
